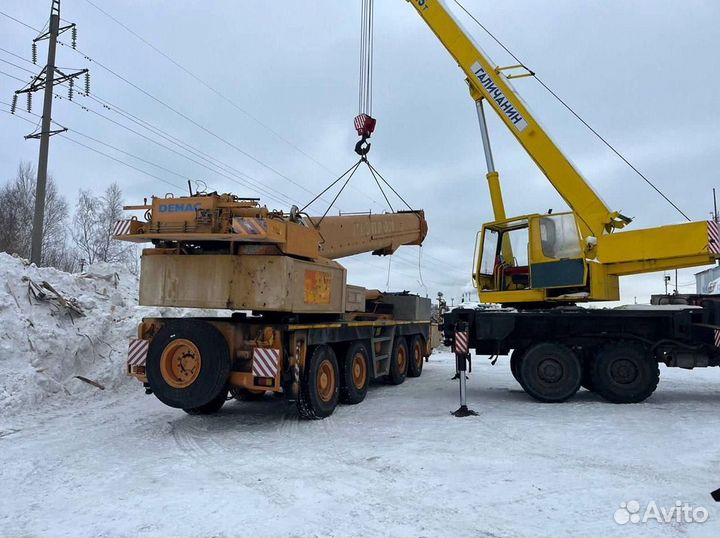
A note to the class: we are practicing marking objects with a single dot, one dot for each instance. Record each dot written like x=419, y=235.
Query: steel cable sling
x=364, y=122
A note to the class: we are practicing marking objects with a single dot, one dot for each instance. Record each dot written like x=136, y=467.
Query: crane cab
x=532, y=258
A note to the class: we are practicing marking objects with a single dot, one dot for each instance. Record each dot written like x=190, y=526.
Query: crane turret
x=222, y=251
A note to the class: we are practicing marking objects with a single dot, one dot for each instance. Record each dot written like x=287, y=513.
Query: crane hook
x=363, y=146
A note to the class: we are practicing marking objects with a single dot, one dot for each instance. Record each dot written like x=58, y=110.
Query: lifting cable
x=577, y=116
x=364, y=122
x=350, y=172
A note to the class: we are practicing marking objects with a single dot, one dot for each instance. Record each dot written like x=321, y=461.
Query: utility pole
x=46, y=81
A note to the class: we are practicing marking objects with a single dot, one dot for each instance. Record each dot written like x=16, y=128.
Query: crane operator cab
x=533, y=258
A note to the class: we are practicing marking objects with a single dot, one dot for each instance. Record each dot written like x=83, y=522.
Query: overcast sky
x=643, y=73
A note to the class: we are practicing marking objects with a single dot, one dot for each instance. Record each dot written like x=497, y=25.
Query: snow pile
x=44, y=345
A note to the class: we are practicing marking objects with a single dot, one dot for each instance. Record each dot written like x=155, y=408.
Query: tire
x=550, y=372
x=211, y=407
x=246, y=395
x=416, y=357
x=398, y=361
x=624, y=373
x=355, y=374
x=515, y=361
x=319, y=393
x=188, y=364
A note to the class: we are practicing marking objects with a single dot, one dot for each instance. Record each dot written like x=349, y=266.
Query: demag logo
x=179, y=208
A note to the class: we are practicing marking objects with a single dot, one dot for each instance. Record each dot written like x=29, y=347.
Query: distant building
x=707, y=282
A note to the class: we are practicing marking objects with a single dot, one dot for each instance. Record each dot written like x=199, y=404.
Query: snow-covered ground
x=119, y=463
x=79, y=461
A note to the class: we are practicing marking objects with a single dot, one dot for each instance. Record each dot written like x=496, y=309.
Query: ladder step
x=382, y=357
x=382, y=339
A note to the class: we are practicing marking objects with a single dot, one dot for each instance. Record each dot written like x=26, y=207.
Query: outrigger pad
x=464, y=412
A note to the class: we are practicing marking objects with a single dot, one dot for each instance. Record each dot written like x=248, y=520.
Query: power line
x=12, y=76
x=221, y=95
x=18, y=66
x=16, y=56
x=254, y=183
x=20, y=22
x=192, y=121
x=585, y=123
x=137, y=133
x=244, y=184
x=98, y=151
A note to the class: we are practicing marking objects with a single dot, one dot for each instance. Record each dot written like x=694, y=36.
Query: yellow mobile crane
x=571, y=257
x=538, y=262
x=297, y=327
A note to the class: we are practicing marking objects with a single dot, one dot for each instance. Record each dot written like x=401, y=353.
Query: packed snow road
x=396, y=465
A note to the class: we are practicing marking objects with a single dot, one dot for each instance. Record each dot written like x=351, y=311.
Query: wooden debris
x=90, y=382
x=45, y=292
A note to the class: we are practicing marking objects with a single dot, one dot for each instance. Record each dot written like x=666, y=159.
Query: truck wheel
x=415, y=366
x=624, y=373
x=355, y=374
x=211, y=407
x=188, y=364
x=398, y=361
x=318, y=396
x=246, y=395
x=550, y=372
x=515, y=361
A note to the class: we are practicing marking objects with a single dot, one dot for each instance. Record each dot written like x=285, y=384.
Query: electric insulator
x=71, y=89
x=13, y=107
x=29, y=101
x=74, y=37
x=34, y=53
x=87, y=83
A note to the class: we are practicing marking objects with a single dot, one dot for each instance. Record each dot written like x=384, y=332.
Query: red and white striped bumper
x=122, y=227
x=462, y=346
x=137, y=353
x=265, y=362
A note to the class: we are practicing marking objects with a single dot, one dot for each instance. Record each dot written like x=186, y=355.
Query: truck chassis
x=194, y=363
x=614, y=352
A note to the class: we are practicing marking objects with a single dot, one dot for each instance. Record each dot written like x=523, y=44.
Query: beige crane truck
x=296, y=326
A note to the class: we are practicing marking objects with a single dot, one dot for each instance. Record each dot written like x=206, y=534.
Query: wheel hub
x=550, y=370
x=401, y=360
x=180, y=363
x=359, y=371
x=623, y=371
x=418, y=357
x=326, y=381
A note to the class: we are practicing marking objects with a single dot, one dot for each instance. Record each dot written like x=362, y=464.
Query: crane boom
x=381, y=234
x=572, y=256
x=488, y=81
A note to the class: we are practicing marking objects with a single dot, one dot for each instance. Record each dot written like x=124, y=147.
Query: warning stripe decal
x=122, y=227
x=717, y=338
x=714, y=237
x=461, y=343
x=137, y=352
x=265, y=362
x=249, y=226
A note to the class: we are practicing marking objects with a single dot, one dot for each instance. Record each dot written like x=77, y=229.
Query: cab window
x=559, y=236
x=489, y=252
